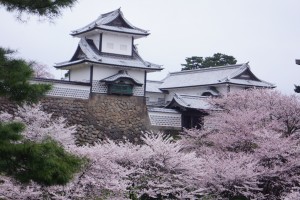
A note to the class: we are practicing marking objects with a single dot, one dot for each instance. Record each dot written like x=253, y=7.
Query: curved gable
x=78, y=55
x=119, y=22
x=246, y=75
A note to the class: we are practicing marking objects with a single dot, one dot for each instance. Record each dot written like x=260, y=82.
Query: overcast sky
x=264, y=32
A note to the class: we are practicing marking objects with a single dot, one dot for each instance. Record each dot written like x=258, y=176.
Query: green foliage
x=217, y=59
x=46, y=163
x=193, y=62
x=42, y=8
x=10, y=132
x=14, y=79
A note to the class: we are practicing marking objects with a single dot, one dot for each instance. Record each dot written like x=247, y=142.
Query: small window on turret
x=246, y=76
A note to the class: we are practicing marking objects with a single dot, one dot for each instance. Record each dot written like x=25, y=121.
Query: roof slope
x=112, y=21
x=212, y=76
x=153, y=86
x=121, y=75
x=87, y=52
x=190, y=101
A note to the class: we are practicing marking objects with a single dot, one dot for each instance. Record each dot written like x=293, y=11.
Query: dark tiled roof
x=212, y=76
x=121, y=75
x=92, y=54
x=190, y=101
x=106, y=22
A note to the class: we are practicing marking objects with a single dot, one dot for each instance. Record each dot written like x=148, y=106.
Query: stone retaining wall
x=115, y=117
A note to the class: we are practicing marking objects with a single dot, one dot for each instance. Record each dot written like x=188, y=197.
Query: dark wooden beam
x=100, y=43
x=91, y=77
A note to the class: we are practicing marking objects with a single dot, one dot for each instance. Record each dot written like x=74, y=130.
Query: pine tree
x=45, y=162
x=217, y=59
x=42, y=8
x=15, y=77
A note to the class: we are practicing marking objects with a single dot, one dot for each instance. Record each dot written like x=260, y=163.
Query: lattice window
x=69, y=92
x=118, y=88
x=165, y=120
x=99, y=87
x=138, y=90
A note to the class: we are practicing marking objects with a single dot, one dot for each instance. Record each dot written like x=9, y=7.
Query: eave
x=213, y=84
x=131, y=79
x=175, y=104
x=121, y=75
x=109, y=30
x=113, y=21
x=83, y=61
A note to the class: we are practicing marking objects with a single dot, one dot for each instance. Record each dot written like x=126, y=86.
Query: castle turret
x=106, y=49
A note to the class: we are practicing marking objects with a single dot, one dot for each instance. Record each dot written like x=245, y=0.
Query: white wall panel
x=117, y=44
x=80, y=74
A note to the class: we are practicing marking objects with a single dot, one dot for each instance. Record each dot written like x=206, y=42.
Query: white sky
x=264, y=32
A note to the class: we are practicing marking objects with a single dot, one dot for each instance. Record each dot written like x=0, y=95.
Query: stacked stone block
x=97, y=118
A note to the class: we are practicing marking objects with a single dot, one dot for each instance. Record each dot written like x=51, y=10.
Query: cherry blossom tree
x=251, y=144
x=40, y=70
x=11, y=189
x=248, y=149
x=114, y=170
x=27, y=153
x=157, y=168
x=294, y=194
x=250, y=110
x=41, y=125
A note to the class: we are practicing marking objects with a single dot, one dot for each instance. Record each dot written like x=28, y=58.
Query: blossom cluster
x=248, y=148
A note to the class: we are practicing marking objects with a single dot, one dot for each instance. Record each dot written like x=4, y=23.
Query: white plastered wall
x=233, y=88
x=101, y=72
x=117, y=44
x=188, y=90
x=80, y=74
x=138, y=75
x=153, y=97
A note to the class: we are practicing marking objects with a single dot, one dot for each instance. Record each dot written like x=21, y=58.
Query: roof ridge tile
x=225, y=67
